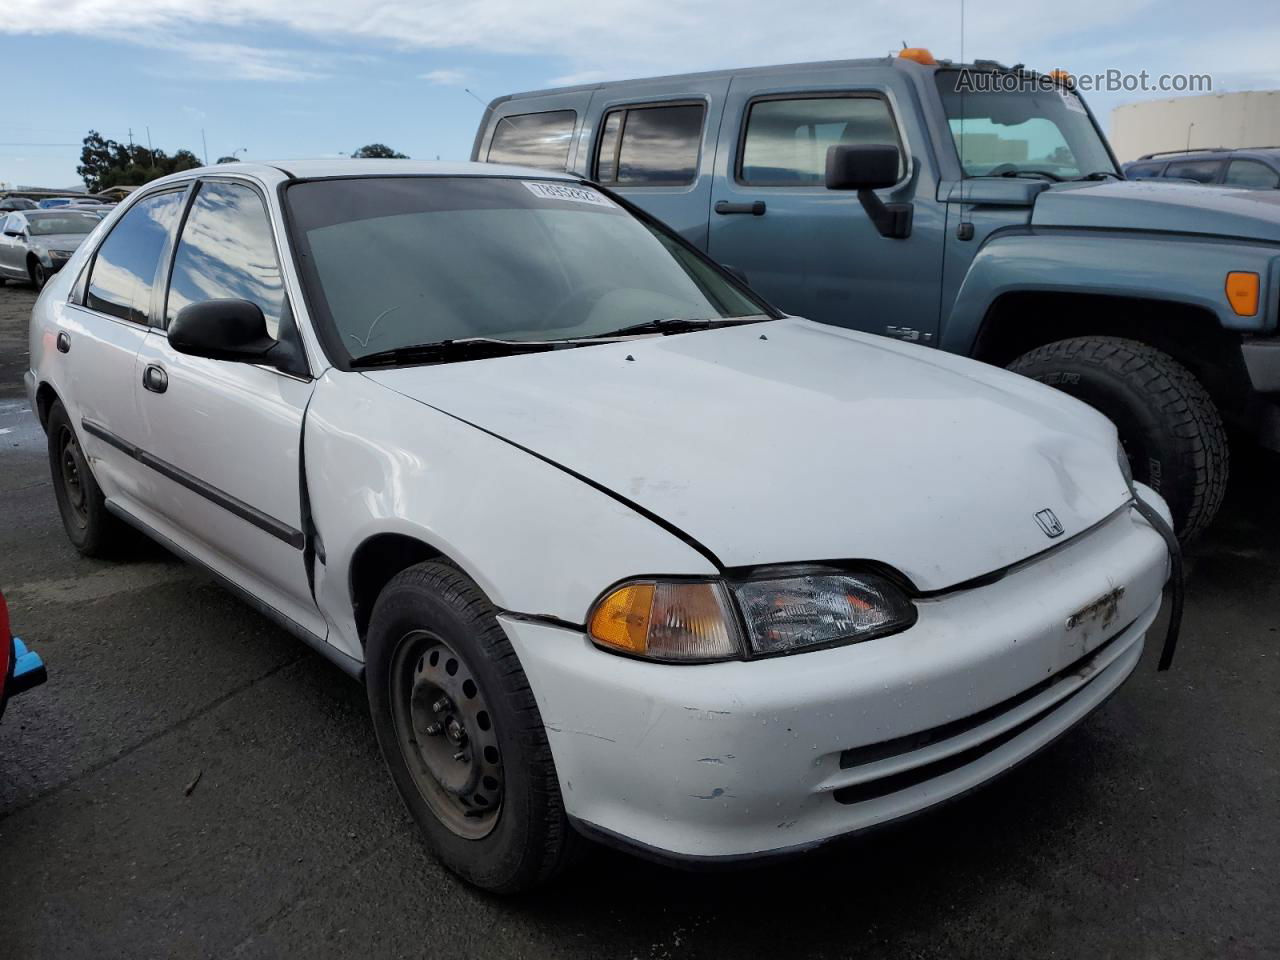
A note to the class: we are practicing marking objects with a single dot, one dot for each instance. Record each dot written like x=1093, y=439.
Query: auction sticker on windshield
x=563, y=191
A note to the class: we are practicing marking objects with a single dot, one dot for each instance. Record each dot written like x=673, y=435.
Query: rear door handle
x=155, y=379
x=63, y=342
x=755, y=208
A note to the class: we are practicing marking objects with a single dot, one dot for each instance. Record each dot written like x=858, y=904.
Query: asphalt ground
x=192, y=782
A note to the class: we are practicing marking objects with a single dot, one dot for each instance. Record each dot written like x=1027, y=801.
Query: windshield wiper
x=466, y=348
x=1032, y=173
x=675, y=325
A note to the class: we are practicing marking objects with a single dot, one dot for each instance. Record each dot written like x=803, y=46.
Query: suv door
x=813, y=251
x=225, y=438
x=654, y=143
x=100, y=330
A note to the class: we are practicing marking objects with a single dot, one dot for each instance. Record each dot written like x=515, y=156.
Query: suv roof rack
x=1169, y=153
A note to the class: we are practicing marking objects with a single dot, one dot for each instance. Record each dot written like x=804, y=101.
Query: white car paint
x=550, y=477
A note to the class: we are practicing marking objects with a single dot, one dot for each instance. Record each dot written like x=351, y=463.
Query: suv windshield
x=1036, y=129
x=46, y=225
x=398, y=261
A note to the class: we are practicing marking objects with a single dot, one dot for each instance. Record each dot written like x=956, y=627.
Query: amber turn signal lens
x=917, y=55
x=666, y=620
x=1242, y=292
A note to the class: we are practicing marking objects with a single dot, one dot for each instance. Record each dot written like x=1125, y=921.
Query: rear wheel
x=90, y=527
x=461, y=733
x=1168, y=423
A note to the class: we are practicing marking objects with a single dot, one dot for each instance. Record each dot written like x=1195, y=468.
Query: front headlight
x=790, y=611
x=61, y=254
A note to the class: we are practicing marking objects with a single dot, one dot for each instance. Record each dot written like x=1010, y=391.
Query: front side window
x=1201, y=171
x=651, y=146
x=534, y=140
x=49, y=224
x=226, y=253
x=1036, y=132
x=124, y=269
x=1144, y=171
x=395, y=262
x=1252, y=175
x=786, y=141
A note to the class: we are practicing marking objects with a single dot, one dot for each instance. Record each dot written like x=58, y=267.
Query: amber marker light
x=666, y=620
x=1242, y=292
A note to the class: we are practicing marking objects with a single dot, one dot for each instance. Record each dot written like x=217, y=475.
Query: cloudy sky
x=276, y=79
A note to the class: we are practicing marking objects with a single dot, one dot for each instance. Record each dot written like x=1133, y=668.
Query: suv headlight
x=781, y=612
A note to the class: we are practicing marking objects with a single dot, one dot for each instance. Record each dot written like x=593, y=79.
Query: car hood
x=791, y=441
x=1171, y=207
x=58, y=241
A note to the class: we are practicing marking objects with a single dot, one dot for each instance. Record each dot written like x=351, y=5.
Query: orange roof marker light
x=1062, y=77
x=919, y=55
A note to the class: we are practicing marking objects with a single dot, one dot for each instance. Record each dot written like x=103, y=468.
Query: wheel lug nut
x=441, y=705
x=434, y=730
x=460, y=755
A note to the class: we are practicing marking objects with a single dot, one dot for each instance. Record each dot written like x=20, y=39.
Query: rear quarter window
x=533, y=140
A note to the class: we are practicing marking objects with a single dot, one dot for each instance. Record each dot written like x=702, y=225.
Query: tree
x=378, y=151
x=106, y=163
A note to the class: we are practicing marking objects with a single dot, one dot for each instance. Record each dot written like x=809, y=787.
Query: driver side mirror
x=867, y=168
x=232, y=330
x=13, y=233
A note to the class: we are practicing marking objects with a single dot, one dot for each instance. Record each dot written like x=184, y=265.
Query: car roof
x=1209, y=153
x=307, y=169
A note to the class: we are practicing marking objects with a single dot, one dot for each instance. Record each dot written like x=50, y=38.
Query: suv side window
x=1144, y=171
x=226, y=252
x=534, y=140
x=785, y=140
x=1252, y=174
x=651, y=145
x=124, y=268
x=1202, y=171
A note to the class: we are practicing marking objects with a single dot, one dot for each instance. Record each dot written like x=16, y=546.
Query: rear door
x=539, y=131
x=224, y=439
x=100, y=330
x=813, y=251
x=654, y=142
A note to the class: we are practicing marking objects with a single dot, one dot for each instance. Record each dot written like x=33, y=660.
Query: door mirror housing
x=867, y=168
x=13, y=233
x=232, y=330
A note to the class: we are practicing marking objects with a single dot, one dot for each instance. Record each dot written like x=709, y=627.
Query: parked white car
x=617, y=549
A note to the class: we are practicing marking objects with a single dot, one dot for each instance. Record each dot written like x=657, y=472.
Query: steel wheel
x=72, y=465
x=446, y=733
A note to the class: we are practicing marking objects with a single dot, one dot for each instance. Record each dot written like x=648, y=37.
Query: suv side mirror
x=866, y=168
x=222, y=330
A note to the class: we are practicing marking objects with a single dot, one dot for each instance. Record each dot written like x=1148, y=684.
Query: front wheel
x=461, y=733
x=1168, y=423
x=39, y=275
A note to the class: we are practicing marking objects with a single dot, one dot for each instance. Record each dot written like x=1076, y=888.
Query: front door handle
x=63, y=342
x=724, y=207
x=155, y=379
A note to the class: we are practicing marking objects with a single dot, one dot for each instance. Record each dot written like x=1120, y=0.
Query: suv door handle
x=756, y=208
x=63, y=342
x=155, y=379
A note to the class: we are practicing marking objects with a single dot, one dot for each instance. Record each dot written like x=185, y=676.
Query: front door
x=813, y=251
x=225, y=438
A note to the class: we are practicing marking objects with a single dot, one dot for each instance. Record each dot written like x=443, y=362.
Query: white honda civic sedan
x=618, y=550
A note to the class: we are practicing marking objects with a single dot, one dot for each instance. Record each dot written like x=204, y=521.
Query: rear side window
x=1202, y=171
x=651, y=146
x=534, y=140
x=226, y=252
x=786, y=141
x=124, y=270
x=1143, y=171
x=1252, y=174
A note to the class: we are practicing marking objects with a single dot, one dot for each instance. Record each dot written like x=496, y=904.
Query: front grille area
x=872, y=753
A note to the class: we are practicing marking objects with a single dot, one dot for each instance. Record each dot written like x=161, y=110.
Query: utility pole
x=204, y=143
x=149, y=149
x=131, y=144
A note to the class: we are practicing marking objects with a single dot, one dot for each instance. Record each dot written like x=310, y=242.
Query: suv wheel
x=1168, y=423
x=91, y=529
x=461, y=733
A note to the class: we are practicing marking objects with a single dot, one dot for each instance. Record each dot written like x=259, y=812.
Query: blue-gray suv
x=972, y=207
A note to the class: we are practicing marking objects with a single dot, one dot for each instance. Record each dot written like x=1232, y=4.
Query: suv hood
x=1167, y=207
x=791, y=441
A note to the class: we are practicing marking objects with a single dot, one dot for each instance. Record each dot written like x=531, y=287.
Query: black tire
x=39, y=275
x=1167, y=421
x=433, y=608
x=90, y=527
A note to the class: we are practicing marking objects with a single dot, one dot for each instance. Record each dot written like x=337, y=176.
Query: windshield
x=399, y=261
x=1036, y=130
x=46, y=225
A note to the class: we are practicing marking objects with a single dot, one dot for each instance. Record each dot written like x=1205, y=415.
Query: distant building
x=116, y=193
x=1250, y=118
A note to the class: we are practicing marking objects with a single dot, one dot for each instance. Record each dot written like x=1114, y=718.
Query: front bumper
x=743, y=759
